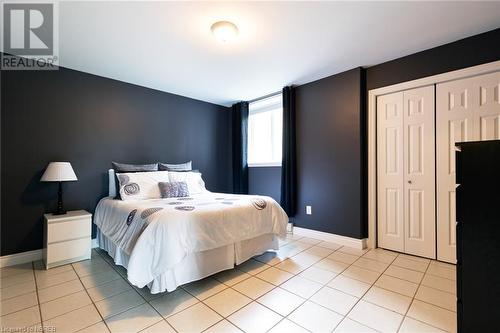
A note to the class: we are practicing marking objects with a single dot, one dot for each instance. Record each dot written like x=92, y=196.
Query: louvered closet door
x=467, y=110
x=390, y=174
x=419, y=172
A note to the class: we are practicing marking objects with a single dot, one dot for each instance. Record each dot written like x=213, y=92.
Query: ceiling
x=168, y=45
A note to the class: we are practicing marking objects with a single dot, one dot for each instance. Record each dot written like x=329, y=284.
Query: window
x=265, y=128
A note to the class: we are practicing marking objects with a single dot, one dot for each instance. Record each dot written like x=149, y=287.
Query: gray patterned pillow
x=123, y=167
x=188, y=166
x=173, y=189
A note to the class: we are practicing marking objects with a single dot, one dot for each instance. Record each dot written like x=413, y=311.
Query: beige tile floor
x=307, y=286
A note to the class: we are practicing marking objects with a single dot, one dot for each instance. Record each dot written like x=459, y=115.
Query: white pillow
x=141, y=185
x=195, y=183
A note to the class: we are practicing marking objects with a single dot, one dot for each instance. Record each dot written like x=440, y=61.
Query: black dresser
x=478, y=236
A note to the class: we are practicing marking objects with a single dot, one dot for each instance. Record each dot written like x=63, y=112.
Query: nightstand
x=67, y=238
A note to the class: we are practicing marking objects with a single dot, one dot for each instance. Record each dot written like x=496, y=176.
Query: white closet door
x=419, y=172
x=487, y=88
x=390, y=173
x=467, y=110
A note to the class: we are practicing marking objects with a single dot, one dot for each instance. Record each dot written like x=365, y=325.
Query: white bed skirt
x=197, y=265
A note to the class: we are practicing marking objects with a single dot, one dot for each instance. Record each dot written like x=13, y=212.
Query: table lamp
x=59, y=172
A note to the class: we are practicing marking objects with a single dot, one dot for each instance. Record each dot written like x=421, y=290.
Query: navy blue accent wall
x=329, y=154
x=265, y=181
x=67, y=115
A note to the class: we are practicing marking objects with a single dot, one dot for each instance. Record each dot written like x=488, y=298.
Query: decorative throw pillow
x=173, y=189
x=195, y=183
x=141, y=185
x=188, y=166
x=124, y=167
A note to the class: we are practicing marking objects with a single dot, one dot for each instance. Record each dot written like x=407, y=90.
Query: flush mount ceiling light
x=224, y=31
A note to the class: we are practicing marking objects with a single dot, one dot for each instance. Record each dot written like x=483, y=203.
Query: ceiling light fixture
x=224, y=31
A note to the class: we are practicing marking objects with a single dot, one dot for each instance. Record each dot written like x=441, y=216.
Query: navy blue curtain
x=289, y=161
x=240, y=148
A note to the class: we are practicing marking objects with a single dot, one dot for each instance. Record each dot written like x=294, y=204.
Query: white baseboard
x=333, y=238
x=24, y=257
x=21, y=258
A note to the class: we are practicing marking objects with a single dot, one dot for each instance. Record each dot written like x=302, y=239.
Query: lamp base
x=60, y=210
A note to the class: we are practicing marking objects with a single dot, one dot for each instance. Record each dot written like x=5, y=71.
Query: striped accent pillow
x=173, y=189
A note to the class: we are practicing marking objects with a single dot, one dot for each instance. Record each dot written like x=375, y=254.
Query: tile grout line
x=323, y=286
x=15, y=284
x=113, y=268
x=278, y=286
x=33, y=270
x=372, y=285
x=256, y=300
x=418, y=286
x=94, y=303
x=237, y=291
x=61, y=314
x=251, y=299
x=395, y=277
x=298, y=274
x=145, y=300
x=413, y=298
x=37, y=289
x=37, y=298
x=84, y=289
x=326, y=285
x=361, y=297
x=231, y=287
x=54, y=299
x=441, y=290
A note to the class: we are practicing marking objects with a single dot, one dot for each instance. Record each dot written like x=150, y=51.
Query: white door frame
x=372, y=129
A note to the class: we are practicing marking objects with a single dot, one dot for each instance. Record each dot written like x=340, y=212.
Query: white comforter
x=159, y=233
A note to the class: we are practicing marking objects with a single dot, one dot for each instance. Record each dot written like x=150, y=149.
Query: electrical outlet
x=309, y=210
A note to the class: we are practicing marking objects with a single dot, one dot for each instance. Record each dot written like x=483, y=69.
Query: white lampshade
x=58, y=172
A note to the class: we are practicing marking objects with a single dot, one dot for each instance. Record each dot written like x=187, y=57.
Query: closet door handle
x=409, y=182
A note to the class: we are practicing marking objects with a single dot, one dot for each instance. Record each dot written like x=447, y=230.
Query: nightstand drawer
x=73, y=229
x=69, y=250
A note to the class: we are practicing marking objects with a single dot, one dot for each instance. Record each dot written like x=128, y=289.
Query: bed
x=168, y=242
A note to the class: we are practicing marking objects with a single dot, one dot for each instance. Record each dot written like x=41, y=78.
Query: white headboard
x=112, y=183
